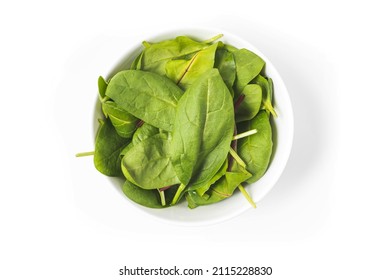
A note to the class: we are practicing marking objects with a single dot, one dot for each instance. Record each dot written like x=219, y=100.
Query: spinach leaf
x=268, y=101
x=158, y=54
x=221, y=190
x=142, y=133
x=148, y=164
x=248, y=66
x=267, y=87
x=186, y=72
x=201, y=189
x=126, y=149
x=250, y=106
x=108, y=146
x=203, y=129
x=224, y=62
x=102, y=86
x=255, y=150
x=148, y=198
x=137, y=62
x=147, y=96
x=125, y=124
x=213, y=39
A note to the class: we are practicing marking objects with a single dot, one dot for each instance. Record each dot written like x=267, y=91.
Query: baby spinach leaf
x=186, y=72
x=201, y=189
x=262, y=82
x=255, y=150
x=224, y=62
x=108, y=146
x=250, y=105
x=148, y=165
x=268, y=101
x=137, y=62
x=146, y=131
x=141, y=134
x=213, y=39
x=158, y=54
x=147, y=96
x=203, y=129
x=221, y=190
x=125, y=124
x=147, y=198
x=267, y=87
x=248, y=66
x=177, y=67
x=102, y=86
x=126, y=149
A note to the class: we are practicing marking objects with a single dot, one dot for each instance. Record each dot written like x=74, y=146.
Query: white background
x=326, y=218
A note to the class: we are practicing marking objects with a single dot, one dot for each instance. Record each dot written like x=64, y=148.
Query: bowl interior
x=282, y=136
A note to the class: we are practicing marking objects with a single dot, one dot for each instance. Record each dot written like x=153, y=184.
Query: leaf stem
x=162, y=196
x=233, y=145
x=146, y=44
x=245, y=134
x=187, y=68
x=177, y=194
x=246, y=195
x=268, y=106
x=140, y=123
x=165, y=188
x=84, y=154
x=215, y=38
x=238, y=102
x=237, y=157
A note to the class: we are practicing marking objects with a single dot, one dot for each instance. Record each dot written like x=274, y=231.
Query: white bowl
x=282, y=136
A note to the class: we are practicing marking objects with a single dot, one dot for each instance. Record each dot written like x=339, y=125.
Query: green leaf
x=248, y=66
x=186, y=72
x=147, y=96
x=202, y=189
x=102, y=86
x=221, y=190
x=158, y=54
x=224, y=62
x=125, y=124
x=213, y=39
x=148, y=165
x=250, y=106
x=146, y=131
x=268, y=101
x=203, y=129
x=141, y=134
x=256, y=149
x=147, y=198
x=267, y=87
x=108, y=146
x=137, y=62
x=175, y=69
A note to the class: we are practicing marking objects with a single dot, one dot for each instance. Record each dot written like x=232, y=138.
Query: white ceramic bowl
x=282, y=136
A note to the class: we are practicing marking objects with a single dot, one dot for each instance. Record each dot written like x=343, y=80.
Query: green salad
x=188, y=121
